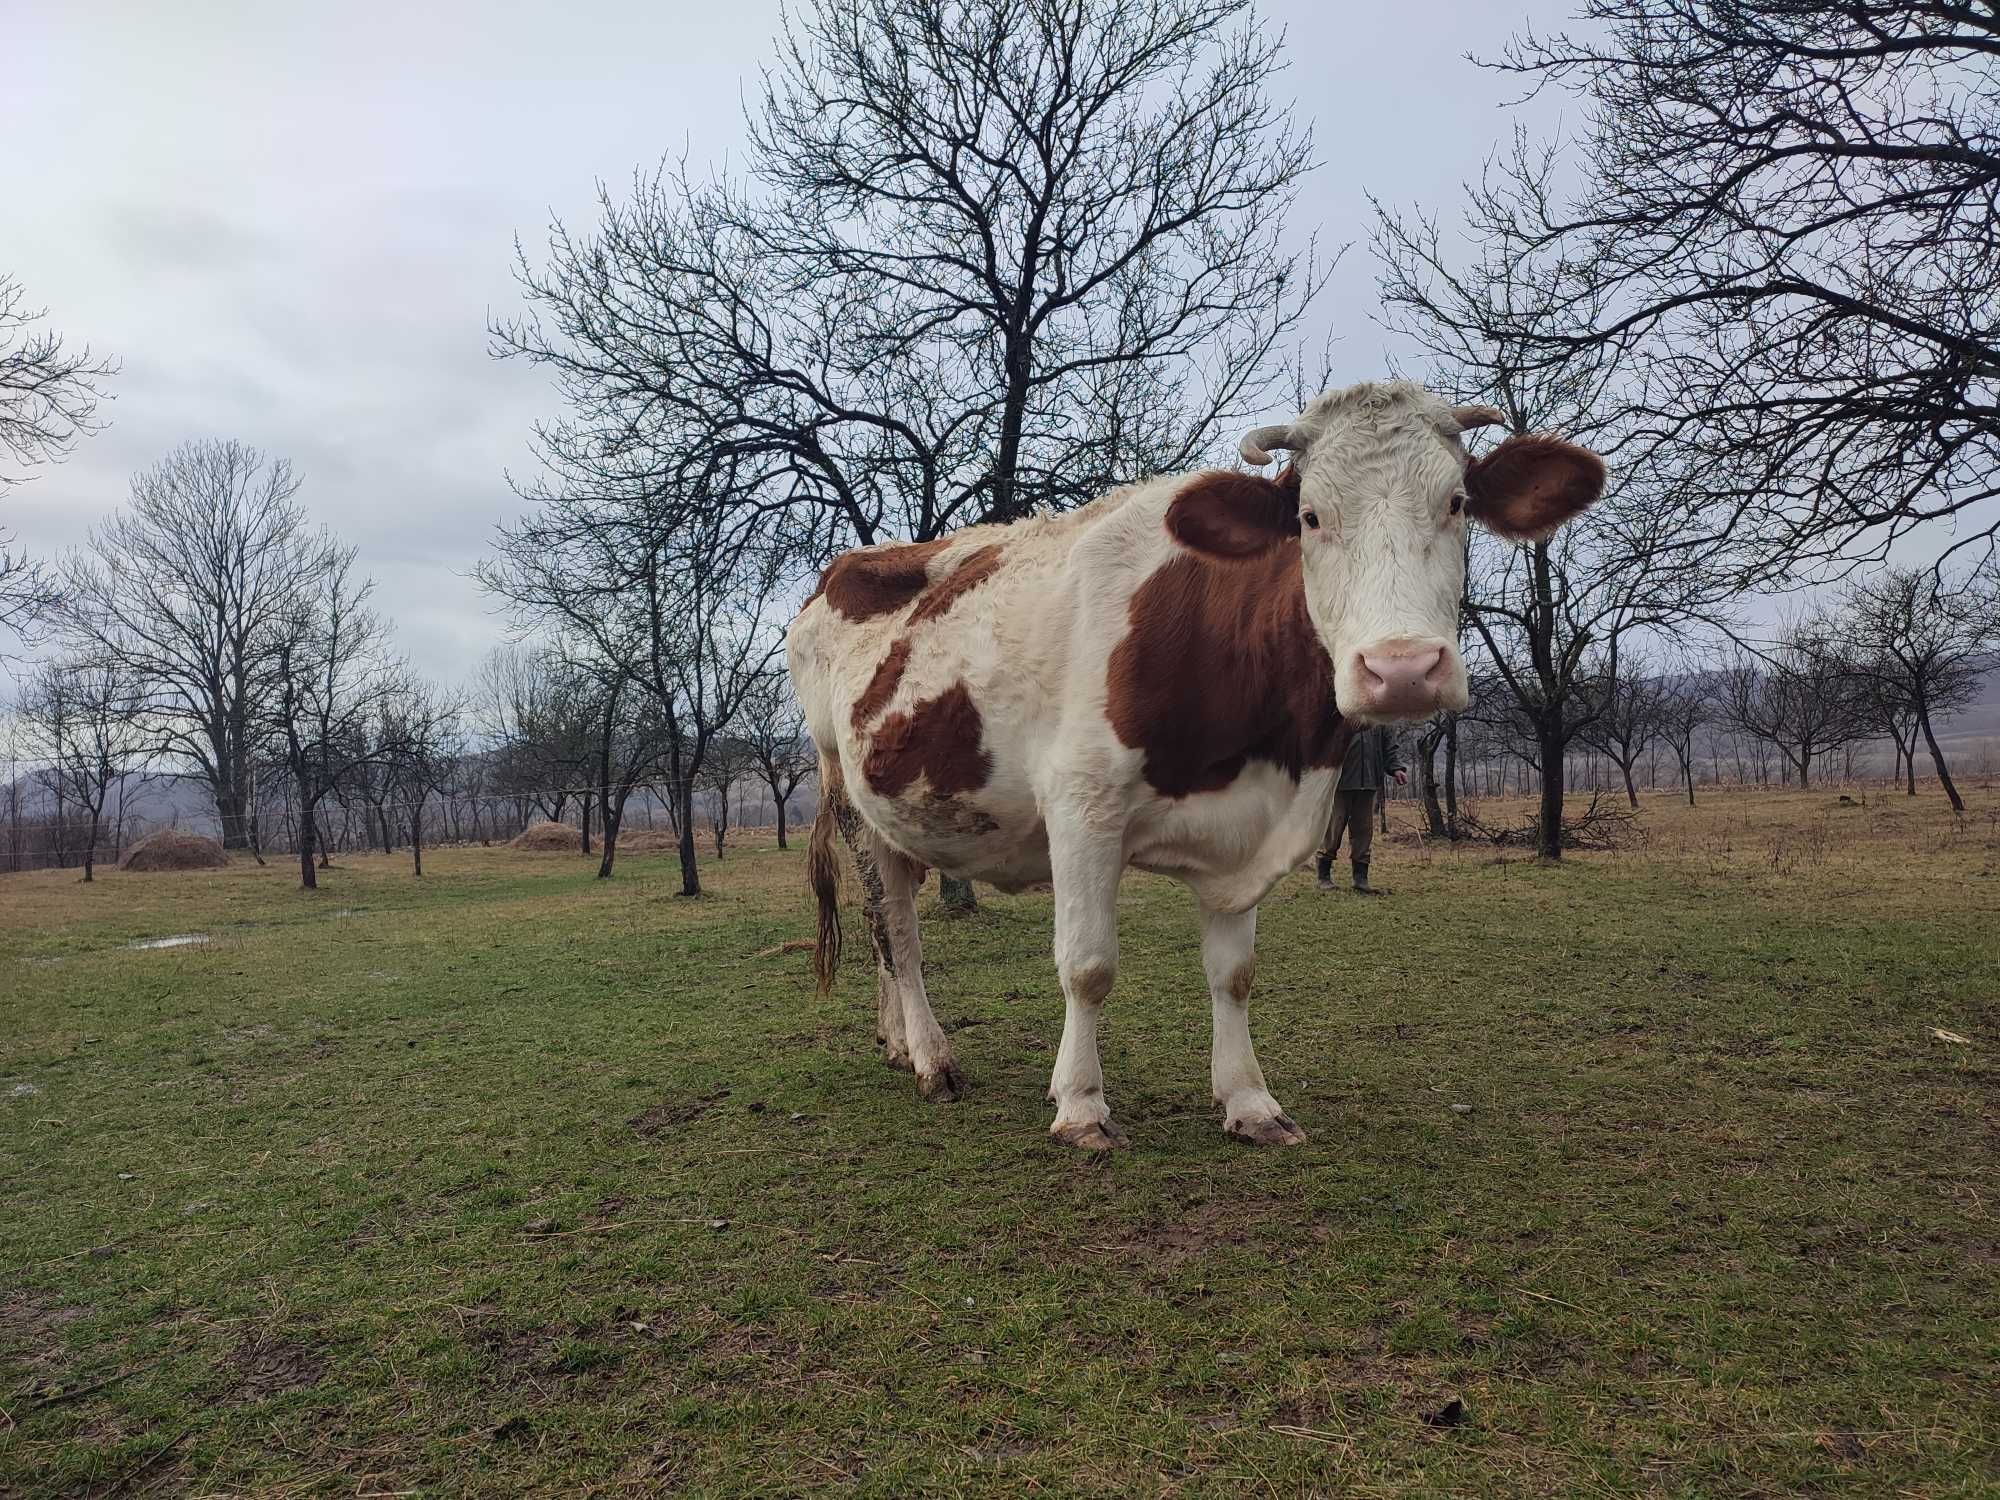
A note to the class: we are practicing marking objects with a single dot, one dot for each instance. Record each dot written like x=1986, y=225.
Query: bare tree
x=537, y=725
x=334, y=688
x=1786, y=219
x=1802, y=697
x=1628, y=719
x=988, y=257
x=1555, y=617
x=425, y=741
x=181, y=590
x=1684, y=704
x=85, y=721
x=772, y=728
x=633, y=741
x=1923, y=645
x=673, y=593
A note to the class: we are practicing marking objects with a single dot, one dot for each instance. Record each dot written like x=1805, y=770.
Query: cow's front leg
x=1084, y=866
x=1229, y=960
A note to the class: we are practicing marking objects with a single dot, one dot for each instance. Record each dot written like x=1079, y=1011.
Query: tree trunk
x=690, y=866
x=1427, y=748
x=956, y=896
x=614, y=819
x=780, y=801
x=1451, y=776
x=1631, y=791
x=1549, y=828
x=1937, y=759
x=308, y=827
x=90, y=849
x=417, y=838
x=229, y=811
x=586, y=825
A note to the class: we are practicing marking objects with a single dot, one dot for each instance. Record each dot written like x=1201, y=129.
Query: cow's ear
x=1528, y=486
x=1227, y=514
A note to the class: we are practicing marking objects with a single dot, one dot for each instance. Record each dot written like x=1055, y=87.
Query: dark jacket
x=1371, y=760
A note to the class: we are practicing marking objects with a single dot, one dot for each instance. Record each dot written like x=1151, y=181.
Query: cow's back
x=951, y=677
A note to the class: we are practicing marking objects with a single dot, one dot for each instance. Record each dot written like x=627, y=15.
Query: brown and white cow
x=1166, y=680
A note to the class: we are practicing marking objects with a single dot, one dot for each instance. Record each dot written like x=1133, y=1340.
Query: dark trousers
x=1354, y=816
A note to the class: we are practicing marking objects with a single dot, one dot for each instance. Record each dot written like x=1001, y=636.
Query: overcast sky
x=292, y=223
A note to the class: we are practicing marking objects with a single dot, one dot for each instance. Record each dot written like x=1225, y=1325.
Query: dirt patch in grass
x=265, y=1365
x=31, y=1332
x=670, y=1113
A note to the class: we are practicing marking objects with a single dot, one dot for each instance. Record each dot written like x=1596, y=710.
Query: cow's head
x=1384, y=493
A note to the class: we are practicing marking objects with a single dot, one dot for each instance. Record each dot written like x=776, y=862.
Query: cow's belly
x=1232, y=846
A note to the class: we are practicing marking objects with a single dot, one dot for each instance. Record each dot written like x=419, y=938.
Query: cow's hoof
x=945, y=1086
x=1273, y=1130
x=898, y=1057
x=1092, y=1135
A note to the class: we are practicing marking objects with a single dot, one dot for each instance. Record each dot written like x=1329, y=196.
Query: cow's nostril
x=1435, y=670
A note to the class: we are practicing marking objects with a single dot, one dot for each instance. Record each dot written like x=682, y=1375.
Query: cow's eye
x=1458, y=502
x=1311, y=518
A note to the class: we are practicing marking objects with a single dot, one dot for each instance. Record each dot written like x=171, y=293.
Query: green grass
x=511, y=1180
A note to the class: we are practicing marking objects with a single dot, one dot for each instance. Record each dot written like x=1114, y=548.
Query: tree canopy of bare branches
x=987, y=257
x=1923, y=645
x=336, y=693
x=182, y=589
x=772, y=727
x=1558, y=617
x=673, y=596
x=1787, y=227
x=49, y=394
x=84, y=719
x=1802, y=696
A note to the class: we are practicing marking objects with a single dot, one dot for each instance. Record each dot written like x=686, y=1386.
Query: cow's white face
x=1385, y=494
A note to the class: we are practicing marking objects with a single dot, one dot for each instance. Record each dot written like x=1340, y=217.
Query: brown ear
x=1528, y=486
x=1227, y=514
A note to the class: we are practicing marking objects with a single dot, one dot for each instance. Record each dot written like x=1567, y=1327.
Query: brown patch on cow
x=1241, y=980
x=1528, y=486
x=1225, y=513
x=979, y=565
x=1222, y=667
x=877, y=580
x=939, y=740
x=882, y=686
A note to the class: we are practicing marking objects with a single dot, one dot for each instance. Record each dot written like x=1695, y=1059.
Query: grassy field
x=1646, y=1175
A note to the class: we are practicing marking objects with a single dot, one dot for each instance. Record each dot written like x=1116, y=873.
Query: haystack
x=648, y=841
x=548, y=838
x=174, y=849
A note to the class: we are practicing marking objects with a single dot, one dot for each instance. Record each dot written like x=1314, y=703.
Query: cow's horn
x=1258, y=440
x=1469, y=417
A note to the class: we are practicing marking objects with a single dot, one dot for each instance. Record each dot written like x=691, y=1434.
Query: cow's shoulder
x=1219, y=663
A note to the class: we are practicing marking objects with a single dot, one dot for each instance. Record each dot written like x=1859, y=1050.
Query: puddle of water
x=178, y=940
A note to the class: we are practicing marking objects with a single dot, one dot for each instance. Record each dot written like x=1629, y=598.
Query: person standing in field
x=1371, y=757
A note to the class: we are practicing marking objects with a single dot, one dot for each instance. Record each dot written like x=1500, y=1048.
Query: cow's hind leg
x=1229, y=960
x=929, y=1051
x=861, y=845
x=1085, y=866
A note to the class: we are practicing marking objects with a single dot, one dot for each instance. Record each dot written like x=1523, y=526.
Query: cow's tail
x=823, y=868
